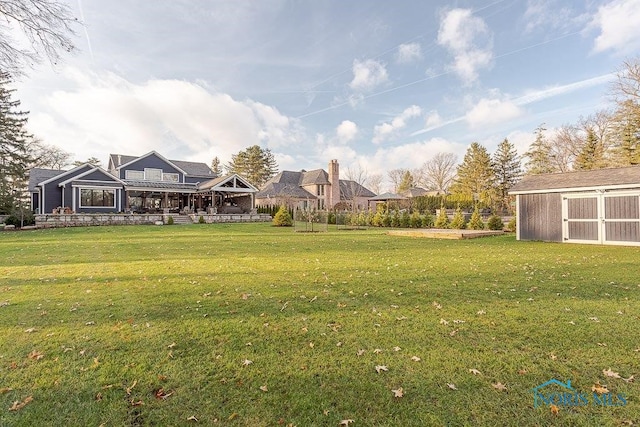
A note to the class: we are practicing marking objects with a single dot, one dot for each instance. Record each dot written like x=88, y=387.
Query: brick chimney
x=333, y=192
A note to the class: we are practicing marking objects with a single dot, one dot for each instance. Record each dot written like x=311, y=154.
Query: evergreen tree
x=93, y=161
x=442, y=221
x=591, y=156
x=406, y=183
x=458, y=222
x=216, y=167
x=475, y=222
x=539, y=154
x=508, y=171
x=14, y=154
x=475, y=178
x=282, y=218
x=257, y=165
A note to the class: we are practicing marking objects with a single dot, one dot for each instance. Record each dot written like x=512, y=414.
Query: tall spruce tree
x=508, y=170
x=407, y=182
x=591, y=156
x=255, y=164
x=216, y=167
x=14, y=153
x=539, y=154
x=476, y=176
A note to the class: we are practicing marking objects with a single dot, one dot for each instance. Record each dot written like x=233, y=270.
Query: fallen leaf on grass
x=28, y=331
x=264, y=388
x=554, y=409
x=35, y=355
x=377, y=351
x=436, y=305
x=499, y=386
x=192, y=418
x=474, y=371
x=444, y=322
x=247, y=362
x=396, y=348
x=415, y=358
x=610, y=373
x=173, y=344
x=628, y=380
x=128, y=390
x=17, y=405
x=381, y=368
x=398, y=392
x=346, y=422
x=136, y=402
x=360, y=352
x=452, y=386
x=452, y=333
x=161, y=394
x=4, y=390
x=599, y=388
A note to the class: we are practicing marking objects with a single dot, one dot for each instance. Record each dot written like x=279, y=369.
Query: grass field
x=251, y=325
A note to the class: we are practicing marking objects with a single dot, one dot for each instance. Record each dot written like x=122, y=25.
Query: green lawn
x=251, y=325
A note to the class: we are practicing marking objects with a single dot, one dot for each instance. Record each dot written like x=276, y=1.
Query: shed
x=597, y=206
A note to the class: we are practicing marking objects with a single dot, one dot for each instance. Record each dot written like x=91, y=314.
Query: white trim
x=629, y=187
x=518, y=217
x=73, y=198
x=47, y=181
x=83, y=174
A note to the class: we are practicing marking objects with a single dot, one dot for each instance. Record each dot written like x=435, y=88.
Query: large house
x=316, y=189
x=148, y=183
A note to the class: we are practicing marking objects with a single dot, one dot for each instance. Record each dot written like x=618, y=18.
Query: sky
x=378, y=85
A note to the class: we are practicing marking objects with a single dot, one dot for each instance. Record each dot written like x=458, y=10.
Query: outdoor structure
x=316, y=189
x=597, y=206
x=146, y=184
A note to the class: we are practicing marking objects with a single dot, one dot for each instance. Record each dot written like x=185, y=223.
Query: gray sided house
x=316, y=189
x=84, y=189
x=598, y=206
x=139, y=184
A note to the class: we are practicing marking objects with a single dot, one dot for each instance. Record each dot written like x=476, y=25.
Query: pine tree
x=476, y=177
x=257, y=165
x=475, y=222
x=406, y=183
x=216, y=167
x=539, y=154
x=591, y=156
x=508, y=171
x=14, y=142
x=458, y=222
x=442, y=221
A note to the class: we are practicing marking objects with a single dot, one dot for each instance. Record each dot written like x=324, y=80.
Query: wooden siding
x=151, y=161
x=622, y=231
x=582, y=208
x=540, y=217
x=622, y=207
x=583, y=230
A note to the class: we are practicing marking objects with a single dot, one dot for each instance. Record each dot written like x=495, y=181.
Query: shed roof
x=627, y=177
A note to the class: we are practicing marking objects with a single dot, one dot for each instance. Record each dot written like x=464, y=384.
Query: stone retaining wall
x=84, y=220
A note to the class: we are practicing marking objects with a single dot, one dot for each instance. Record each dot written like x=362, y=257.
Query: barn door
x=621, y=218
x=581, y=219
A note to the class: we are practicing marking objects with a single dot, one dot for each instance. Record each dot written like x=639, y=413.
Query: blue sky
x=375, y=84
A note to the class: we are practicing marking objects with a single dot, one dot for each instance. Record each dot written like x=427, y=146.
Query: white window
x=134, y=175
x=170, y=177
x=93, y=197
x=152, y=174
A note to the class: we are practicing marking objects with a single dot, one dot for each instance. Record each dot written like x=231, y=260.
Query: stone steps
x=179, y=219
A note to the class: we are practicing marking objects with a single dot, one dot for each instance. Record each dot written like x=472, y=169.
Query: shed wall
x=540, y=217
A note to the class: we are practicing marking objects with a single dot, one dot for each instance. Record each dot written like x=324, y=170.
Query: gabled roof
x=286, y=177
x=415, y=192
x=195, y=169
x=233, y=183
x=314, y=177
x=64, y=173
x=627, y=177
x=350, y=189
x=90, y=171
x=151, y=153
x=278, y=189
x=37, y=175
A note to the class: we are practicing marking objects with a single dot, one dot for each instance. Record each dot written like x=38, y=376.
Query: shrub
x=511, y=225
x=201, y=220
x=405, y=219
x=170, y=220
x=475, y=222
x=427, y=220
x=458, y=220
x=15, y=219
x=395, y=219
x=386, y=220
x=495, y=223
x=442, y=221
x=282, y=218
x=415, y=221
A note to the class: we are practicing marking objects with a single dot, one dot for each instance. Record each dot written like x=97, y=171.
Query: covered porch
x=229, y=194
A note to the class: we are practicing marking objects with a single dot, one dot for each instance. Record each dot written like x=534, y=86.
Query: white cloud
x=101, y=113
x=368, y=74
x=346, y=131
x=492, y=111
x=408, y=52
x=543, y=15
x=619, y=25
x=469, y=40
x=387, y=130
x=433, y=119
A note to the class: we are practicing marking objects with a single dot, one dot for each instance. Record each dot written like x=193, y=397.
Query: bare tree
x=375, y=183
x=395, y=176
x=48, y=156
x=47, y=25
x=438, y=173
x=357, y=178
